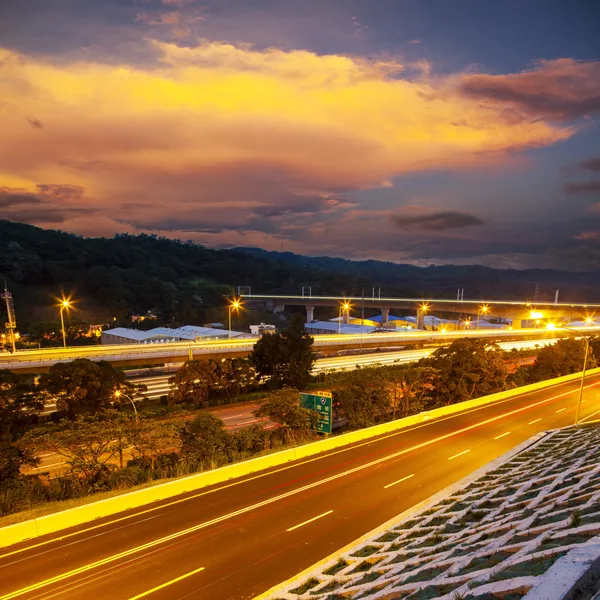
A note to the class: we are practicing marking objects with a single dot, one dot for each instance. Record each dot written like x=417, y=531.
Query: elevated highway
x=36, y=361
x=518, y=311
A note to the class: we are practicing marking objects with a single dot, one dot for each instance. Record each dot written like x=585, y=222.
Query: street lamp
x=118, y=394
x=345, y=306
x=552, y=327
x=65, y=303
x=482, y=311
x=234, y=304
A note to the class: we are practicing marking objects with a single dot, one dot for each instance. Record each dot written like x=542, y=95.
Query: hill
x=186, y=282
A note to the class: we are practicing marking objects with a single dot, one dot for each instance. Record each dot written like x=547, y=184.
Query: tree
x=193, y=382
x=467, y=368
x=20, y=405
x=88, y=443
x=283, y=407
x=410, y=388
x=562, y=358
x=286, y=357
x=365, y=400
x=204, y=442
x=150, y=440
x=85, y=387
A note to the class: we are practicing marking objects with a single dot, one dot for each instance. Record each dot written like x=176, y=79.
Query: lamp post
x=64, y=304
x=233, y=305
x=482, y=311
x=118, y=394
x=343, y=307
x=552, y=327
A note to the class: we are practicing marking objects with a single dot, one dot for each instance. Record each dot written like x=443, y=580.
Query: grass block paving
x=495, y=538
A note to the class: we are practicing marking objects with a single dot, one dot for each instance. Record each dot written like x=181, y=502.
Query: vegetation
x=285, y=358
x=105, y=448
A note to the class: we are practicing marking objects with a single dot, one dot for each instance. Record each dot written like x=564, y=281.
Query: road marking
x=305, y=523
x=560, y=410
x=164, y=585
x=589, y=416
x=247, y=422
x=503, y=435
x=321, y=457
x=232, y=416
x=535, y=421
x=389, y=485
x=48, y=466
x=460, y=454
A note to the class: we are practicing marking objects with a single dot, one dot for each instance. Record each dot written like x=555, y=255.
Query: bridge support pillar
x=346, y=316
x=310, y=314
x=420, y=319
x=385, y=316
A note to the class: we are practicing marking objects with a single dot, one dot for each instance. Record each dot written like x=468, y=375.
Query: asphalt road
x=236, y=540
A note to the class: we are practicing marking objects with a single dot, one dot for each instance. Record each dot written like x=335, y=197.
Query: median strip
x=310, y=520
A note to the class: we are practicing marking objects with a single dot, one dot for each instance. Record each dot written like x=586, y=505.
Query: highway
x=159, y=385
x=145, y=354
x=235, y=540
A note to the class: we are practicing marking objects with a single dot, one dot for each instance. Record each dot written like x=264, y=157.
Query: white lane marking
x=560, y=410
x=460, y=454
x=48, y=466
x=503, y=435
x=310, y=520
x=168, y=583
x=534, y=421
x=231, y=416
x=247, y=422
x=389, y=485
x=589, y=416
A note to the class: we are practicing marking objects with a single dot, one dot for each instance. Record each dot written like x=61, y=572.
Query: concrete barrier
x=72, y=517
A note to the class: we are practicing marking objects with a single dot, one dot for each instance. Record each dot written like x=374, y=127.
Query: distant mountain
x=443, y=281
x=185, y=282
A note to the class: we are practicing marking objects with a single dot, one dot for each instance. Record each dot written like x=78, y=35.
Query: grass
x=307, y=585
x=425, y=574
x=334, y=569
x=534, y=567
x=484, y=562
x=366, y=551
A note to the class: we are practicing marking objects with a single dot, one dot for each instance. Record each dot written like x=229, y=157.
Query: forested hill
x=185, y=282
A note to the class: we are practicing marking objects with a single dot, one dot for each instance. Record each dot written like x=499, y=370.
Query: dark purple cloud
x=582, y=187
x=435, y=221
x=560, y=89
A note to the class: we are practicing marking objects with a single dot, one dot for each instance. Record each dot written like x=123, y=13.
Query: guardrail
x=48, y=524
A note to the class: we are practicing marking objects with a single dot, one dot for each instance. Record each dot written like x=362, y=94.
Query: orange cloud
x=217, y=134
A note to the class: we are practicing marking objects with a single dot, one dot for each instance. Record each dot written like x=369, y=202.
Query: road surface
x=235, y=540
x=145, y=354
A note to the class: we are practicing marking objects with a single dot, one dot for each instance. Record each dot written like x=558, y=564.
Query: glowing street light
x=536, y=315
x=552, y=327
x=234, y=304
x=65, y=304
x=482, y=311
x=118, y=394
x=345, y=306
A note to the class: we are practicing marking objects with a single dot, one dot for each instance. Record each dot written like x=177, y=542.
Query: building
x=262, y=329
x=166, y=335
x=329, y=327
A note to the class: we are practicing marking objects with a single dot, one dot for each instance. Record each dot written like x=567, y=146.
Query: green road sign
x=321, y=403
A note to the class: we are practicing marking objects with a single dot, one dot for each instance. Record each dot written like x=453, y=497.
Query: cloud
x=35, y=123
x=582, y=187
x=49, y=205
x=559, y=90
x=414, y=42
x=242, y=146
x=417, y=218
x=591, y=164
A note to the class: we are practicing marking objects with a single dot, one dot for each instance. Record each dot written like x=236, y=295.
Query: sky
x=413, y=131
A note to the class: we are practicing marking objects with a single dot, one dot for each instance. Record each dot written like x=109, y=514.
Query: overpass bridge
x=519, y=312
x=129, y=355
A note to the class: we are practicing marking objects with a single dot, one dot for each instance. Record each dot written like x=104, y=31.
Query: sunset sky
x=421, y=131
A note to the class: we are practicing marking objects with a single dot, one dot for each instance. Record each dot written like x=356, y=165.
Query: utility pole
x=11, y=324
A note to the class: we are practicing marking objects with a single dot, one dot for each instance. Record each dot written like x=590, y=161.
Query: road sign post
x=321, y=404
